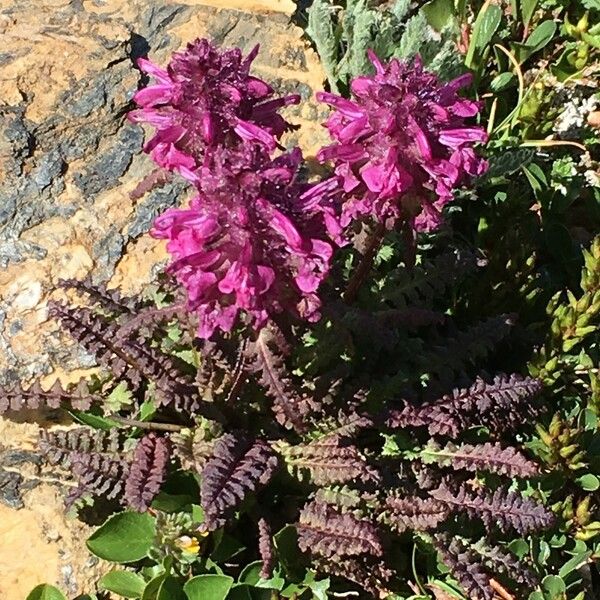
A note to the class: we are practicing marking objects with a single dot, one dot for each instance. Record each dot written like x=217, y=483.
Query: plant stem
x=147, y=424
x=364, y=267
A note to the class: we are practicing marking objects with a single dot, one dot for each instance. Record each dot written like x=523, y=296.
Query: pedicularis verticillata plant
x=279, y=400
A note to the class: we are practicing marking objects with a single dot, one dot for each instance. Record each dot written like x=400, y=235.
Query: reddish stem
x=364, y=267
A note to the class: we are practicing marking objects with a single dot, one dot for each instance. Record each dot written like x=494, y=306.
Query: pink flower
x=251, y=243
x=401, y=144
x=206, y=98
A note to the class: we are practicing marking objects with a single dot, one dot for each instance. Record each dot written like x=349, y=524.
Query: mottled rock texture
x=68, y=162
x=69, y=159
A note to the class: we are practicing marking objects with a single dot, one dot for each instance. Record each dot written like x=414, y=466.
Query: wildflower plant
x=401, y=144
x=307, y=412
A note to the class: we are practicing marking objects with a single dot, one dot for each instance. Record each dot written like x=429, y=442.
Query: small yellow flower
x=188, y=544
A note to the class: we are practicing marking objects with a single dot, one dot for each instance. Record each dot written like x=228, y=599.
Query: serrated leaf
x=360, y=23
x=414, y=36
x=400, y=9
x=321, y=29
x=119, y=398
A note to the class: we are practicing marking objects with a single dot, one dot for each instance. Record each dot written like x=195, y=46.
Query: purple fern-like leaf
x=324, y=531
x=147, y=471
x=501, y=508
x=239, y=465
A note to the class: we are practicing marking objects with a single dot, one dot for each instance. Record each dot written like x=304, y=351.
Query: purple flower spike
x=206, y=98
x=251, y=241
x=401, y=144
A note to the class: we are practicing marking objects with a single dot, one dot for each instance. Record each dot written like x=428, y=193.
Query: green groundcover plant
x=380, y=382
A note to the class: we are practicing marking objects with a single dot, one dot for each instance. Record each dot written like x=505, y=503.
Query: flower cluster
x=401, y=144
x=252, y=242
x=248, y=241
x=204, y=99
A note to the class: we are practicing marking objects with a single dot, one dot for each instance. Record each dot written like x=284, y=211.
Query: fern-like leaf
x=501, y=405
x=499, y=560
x=239, y=465
x=289, y=406
x=369, y=574
x=16, y=398
x=98, y=475
x=265, y=549
x=147, y=471
x=501, y=508
x=324, y=531
x=327, y=462
x=65, y=445
x=491, y=457
x=465, y=566
x=402, y=513
x=99, y=295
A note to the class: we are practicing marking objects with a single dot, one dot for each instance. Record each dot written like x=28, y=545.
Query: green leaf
x=540, y=37
x=360, y=25
x=172, y=502
x=486, y=24
x=589, y=482
x=439, y=13
x=527, y=9
x=251, y=573
x=119, y=398
x=208, y=587
x=45, y=592
x=519, y=547
x=124, y=583
x=553, y=587
x=502, y=81
x=170, y=589
x=93, y=421
x=413, y=37
x=124, y=537
x=226, y=548
x=243, y=591
x=153, y=587
x=197, y=514
x=319, y=589
x=286, y=544
x=400, y=9
x=573, y=563
x=321, y=29
x=240, y=591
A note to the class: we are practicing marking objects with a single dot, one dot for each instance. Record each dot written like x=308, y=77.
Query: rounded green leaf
x=208, y=587
x=553, y=587
x=45, y=592
x=124, y=583
x=125, y=537
x=589, y=482
x=170, y=589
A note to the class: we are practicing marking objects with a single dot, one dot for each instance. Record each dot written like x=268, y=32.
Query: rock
x=69, y=158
